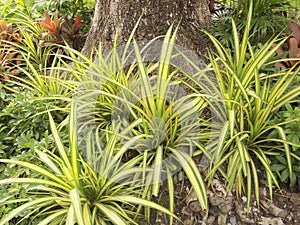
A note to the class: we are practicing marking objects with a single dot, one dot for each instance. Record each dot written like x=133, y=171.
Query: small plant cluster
x=69, y=9
x=93, y=142
x=64, y=32
x=289, y=116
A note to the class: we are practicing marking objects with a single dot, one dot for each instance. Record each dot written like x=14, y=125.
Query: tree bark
x=158, y=15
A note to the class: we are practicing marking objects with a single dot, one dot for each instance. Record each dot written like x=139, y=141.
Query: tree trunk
x=158, y=15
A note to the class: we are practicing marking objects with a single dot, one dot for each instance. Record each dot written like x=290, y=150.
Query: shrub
x=71, y=191
x=67, y=9
x=251, y=99
x=269, y=19
x=135, y=98
x=24, y=117
x=24, y=125
x=63, y=31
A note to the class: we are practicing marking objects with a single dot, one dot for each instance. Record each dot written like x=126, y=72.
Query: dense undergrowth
x=87, y=141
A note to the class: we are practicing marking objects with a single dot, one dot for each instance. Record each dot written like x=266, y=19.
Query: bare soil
x=225, y=208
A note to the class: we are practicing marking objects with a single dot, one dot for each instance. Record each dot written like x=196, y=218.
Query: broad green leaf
x=277, y=167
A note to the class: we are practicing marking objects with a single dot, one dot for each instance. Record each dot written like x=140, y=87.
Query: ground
x=226, y=209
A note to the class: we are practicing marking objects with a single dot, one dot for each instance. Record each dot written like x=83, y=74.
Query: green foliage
x=36, y=8
x=73, y=192
x=280, y=167
x=23, y=127
x=140, y=100
x=62, y=31
x=290, y=120
x=68, y=9
x=251, y=99
x=24, y=13
x=7, y=8
x=23, y=120
x=292, y=128
x=268, y=19
x=26, y=43
x=295, y=4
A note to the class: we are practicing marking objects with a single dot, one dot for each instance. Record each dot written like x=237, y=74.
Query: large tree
x=157, y=16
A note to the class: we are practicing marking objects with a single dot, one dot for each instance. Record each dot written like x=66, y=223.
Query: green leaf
x=147, y=94
x=193, y=174
x=73, y=140
x=277, y=167
x=56, y=181
x=75, y=200
x=44, y=157
x=171, y=194
x=284, y=175
x=59, y=143
x=282, y=160
x=140, y=201
x=157, y=170
x=114, y=217
x=53, y=216
x=163, y=71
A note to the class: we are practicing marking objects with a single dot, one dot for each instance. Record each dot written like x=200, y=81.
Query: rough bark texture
x=158, y=15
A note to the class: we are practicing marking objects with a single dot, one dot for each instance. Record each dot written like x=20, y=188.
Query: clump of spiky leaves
x=155, y=105
x=251, y=99
x=66, y=9
x=32, y=40
x=72, y=191
x=133, y=97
